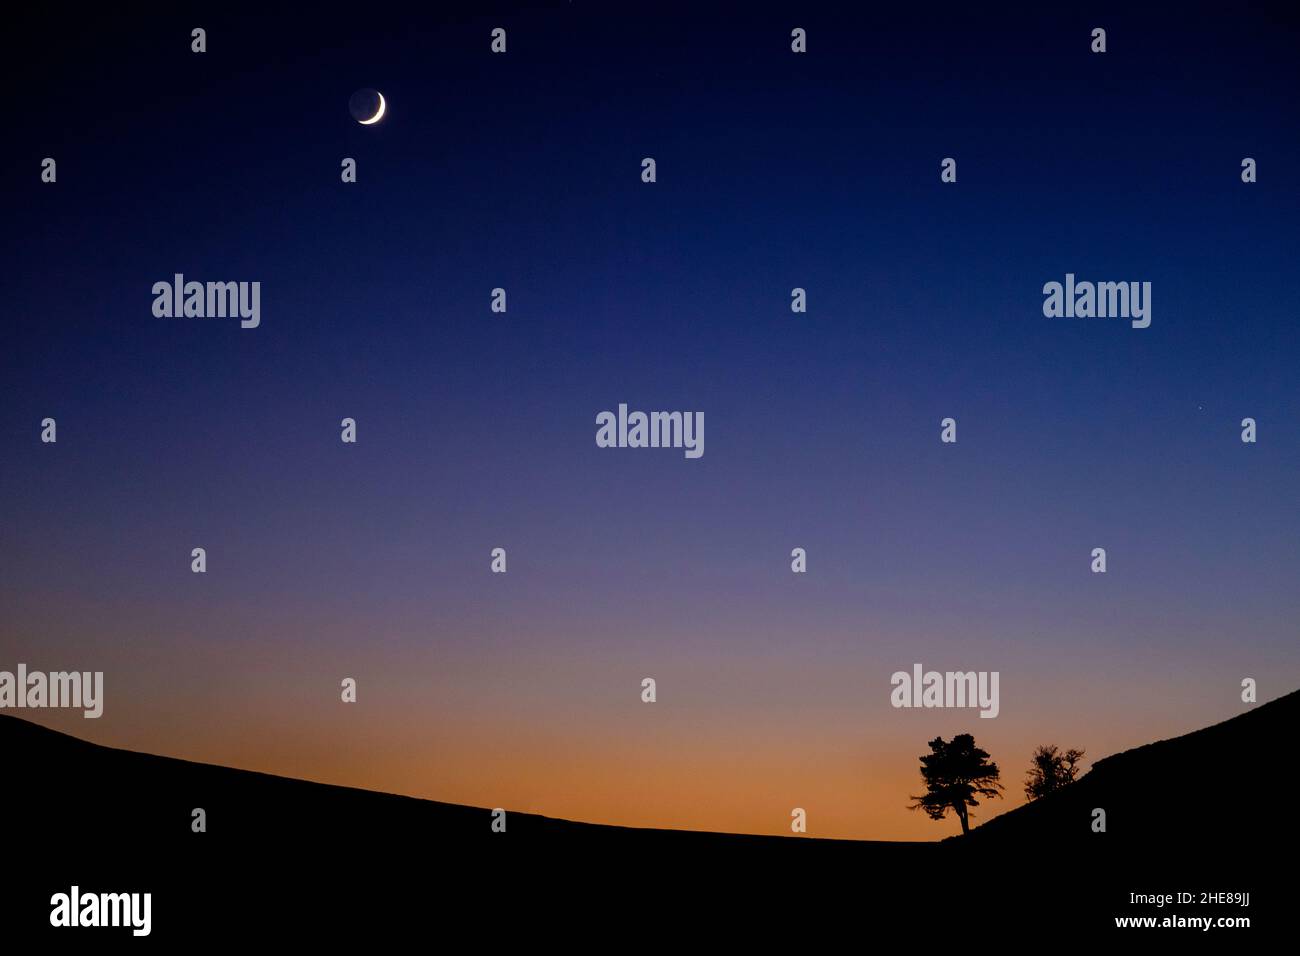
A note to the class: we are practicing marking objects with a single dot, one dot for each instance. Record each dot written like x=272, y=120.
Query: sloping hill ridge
x=1161, y=791
x=142, y=799
x=1207, y=786
x=301, y=859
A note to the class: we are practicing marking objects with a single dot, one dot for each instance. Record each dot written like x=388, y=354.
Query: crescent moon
x=378, y=116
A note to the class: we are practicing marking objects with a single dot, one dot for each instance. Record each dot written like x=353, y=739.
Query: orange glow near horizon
x=692, y=764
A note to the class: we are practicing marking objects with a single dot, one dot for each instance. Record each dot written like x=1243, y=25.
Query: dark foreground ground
x=282, y=859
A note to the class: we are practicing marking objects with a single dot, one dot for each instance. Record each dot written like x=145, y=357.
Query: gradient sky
x=476, y=430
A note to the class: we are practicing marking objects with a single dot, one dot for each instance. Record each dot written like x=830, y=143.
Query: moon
x=379, y=114
x=367, y=106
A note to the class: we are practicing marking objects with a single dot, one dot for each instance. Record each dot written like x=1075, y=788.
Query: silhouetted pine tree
x=955, y=773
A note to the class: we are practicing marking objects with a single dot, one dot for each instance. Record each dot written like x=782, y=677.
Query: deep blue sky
x=477, y=430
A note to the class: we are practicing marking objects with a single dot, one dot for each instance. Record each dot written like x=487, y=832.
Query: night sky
x=476, y=430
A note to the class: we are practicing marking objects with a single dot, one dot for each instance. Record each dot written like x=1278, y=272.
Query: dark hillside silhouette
x=283, y=850
x=1201, y=788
